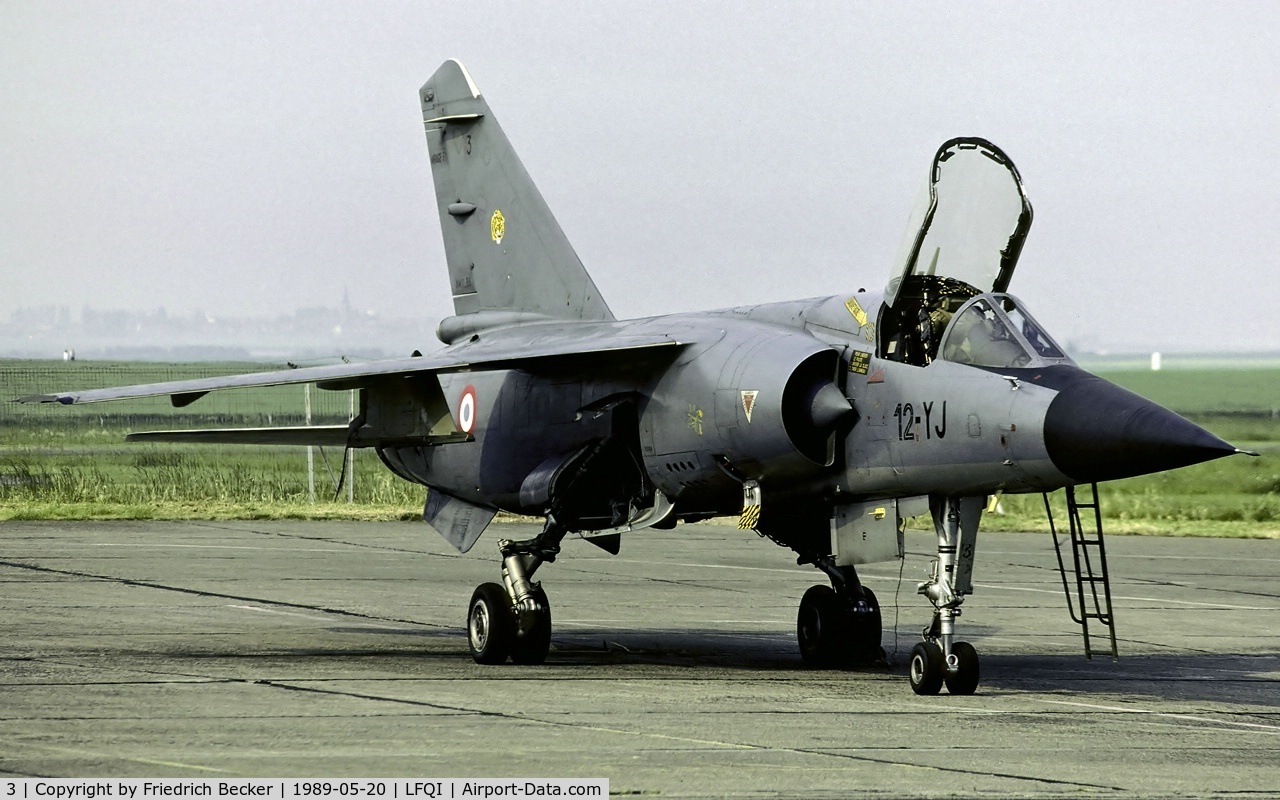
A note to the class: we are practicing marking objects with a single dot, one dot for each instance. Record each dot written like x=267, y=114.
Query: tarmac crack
x=221, y=596
x=508, y=717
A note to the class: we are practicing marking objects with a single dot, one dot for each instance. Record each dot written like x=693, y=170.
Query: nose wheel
x=964, y=678
x=930, y=669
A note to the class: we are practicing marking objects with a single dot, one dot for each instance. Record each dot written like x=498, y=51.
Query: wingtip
x=1248, y=453
x=43, y=398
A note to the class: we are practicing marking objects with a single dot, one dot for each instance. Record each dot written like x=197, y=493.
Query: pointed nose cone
x=1096, y=431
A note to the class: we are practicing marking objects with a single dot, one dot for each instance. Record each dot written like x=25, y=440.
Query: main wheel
x=821, y=628
x=928, y=668
x=533, y=632
x=865, y=629
x=965, y=679
x=491, y=624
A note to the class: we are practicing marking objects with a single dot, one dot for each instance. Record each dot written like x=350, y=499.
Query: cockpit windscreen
x=993, y=331
x=1031, y=332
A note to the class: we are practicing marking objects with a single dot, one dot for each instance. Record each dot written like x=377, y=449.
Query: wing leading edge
x=319, y=435
x=546, y=353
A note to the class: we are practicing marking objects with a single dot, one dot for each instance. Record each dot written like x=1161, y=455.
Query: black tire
x=491, y=624
x=928, y=668
x=865, y=629
x=533, y=632
x=822, y=628
x=965, y=679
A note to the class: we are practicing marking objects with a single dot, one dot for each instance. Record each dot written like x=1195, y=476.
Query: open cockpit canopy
x=971, y=223
x=963, y=240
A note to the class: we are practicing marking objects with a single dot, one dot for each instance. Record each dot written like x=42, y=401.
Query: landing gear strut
x=939, y=658
x=839, y=627
x=513, y=619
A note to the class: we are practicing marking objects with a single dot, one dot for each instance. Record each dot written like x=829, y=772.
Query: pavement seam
x=691, y=740
x=219, y=595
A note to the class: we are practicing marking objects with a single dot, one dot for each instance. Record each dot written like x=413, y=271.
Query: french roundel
x=467, y=410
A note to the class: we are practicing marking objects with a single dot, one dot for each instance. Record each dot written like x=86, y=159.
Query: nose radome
x=1097, y=431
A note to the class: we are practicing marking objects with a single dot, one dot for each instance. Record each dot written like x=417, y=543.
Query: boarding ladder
x=1089, y=555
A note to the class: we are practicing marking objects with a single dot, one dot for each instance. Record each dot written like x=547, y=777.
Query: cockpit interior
x=951, y=320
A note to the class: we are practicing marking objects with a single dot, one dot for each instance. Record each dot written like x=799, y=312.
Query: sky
x=251, y=158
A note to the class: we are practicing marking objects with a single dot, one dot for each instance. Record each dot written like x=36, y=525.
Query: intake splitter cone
x=829, y=406
x=1096, y=431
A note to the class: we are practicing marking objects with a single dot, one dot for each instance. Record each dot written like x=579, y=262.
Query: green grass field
x=59, y=462
x=1248, y=391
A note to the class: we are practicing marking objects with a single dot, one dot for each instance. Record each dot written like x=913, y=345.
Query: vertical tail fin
x=504, y=248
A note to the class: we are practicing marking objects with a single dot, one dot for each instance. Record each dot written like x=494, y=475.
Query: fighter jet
x=822, y=424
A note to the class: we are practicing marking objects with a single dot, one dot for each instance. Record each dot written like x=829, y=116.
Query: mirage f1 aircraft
x=821, y=423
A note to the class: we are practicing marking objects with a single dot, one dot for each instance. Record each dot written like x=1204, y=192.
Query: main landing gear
x=939, y=659
x=513, y=619
x=839, y=628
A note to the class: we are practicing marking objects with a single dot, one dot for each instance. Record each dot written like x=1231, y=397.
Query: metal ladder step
x=1090, y=605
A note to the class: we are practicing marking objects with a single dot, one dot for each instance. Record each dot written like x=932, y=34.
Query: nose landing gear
x=930, y=669
x=939, y=659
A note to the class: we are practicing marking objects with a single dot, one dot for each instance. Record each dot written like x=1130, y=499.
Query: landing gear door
x=864, y=533
x=971, y=222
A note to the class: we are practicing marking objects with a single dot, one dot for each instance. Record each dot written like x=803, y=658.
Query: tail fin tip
x=450, y=82
x=504, y=249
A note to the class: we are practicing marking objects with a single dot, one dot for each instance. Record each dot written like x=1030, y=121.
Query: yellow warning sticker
x=856, y=310
x=749, y=519
x=497, y=226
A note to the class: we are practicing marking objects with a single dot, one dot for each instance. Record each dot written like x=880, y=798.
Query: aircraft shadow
x=1228, y=678
x=1252, y=679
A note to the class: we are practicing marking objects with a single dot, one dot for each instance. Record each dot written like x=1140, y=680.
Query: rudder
x=504, y=248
